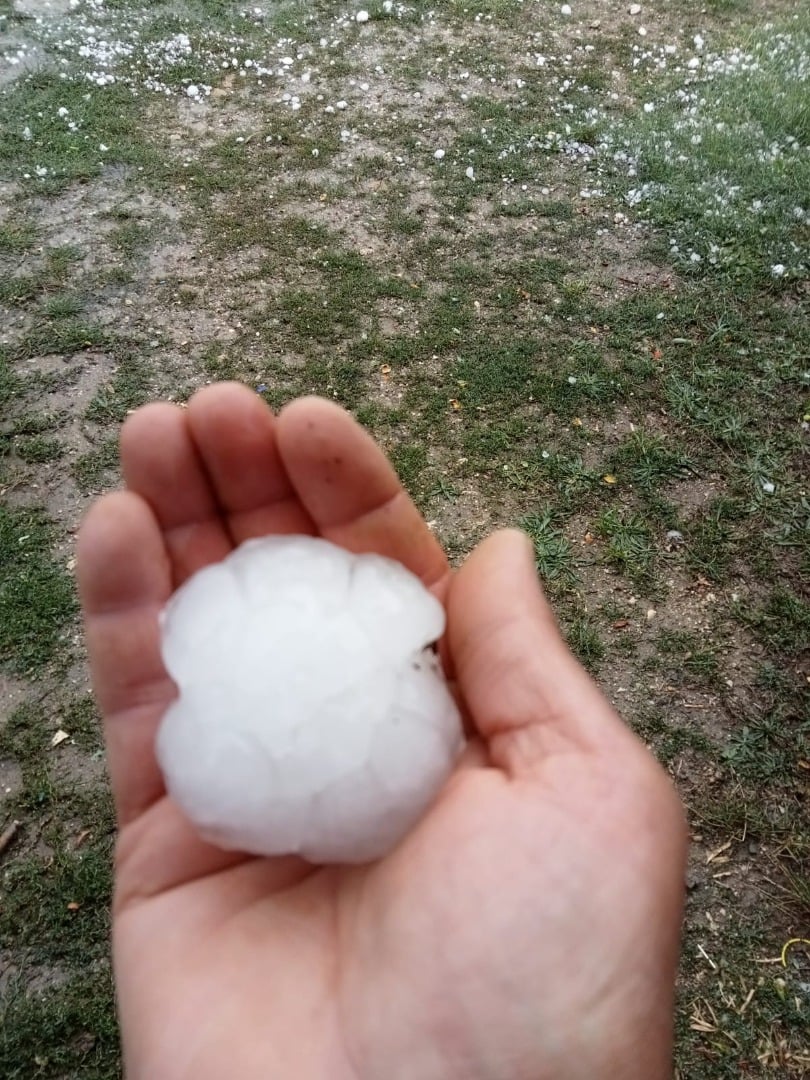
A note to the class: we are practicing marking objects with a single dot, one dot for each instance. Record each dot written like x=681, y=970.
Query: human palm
x=526, y=929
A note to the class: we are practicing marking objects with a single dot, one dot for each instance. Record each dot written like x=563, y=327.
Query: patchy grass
x=519, y=319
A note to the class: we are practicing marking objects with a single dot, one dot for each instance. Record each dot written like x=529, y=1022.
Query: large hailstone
x=313, y=717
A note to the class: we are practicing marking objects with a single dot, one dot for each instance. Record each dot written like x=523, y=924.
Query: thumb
x=526, y=693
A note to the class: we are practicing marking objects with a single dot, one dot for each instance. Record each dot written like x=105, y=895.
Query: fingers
x=234, y=432
x=351, y=491
x=124, y=580
x=162, y=464
x=526, y=693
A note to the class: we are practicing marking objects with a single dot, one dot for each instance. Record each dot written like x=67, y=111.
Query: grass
x=732, y=139
x=37, y=602
x=530, y=347
x=64, y=1031
x=552, y=551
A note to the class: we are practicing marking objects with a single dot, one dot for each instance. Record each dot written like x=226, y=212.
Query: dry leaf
x=385, y=369
x=609, y=478
x=59, y=737
x=576, y=422
x=620, y=624
x=455, y=405
x=588, y=538
x=73, y=906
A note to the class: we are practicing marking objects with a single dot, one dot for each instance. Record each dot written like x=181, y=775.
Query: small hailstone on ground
x=362, y=16
x=193, y=91
x=438, y=154
x=313, y=717
x=469, y=172
x=768, y=487
x=565, y=9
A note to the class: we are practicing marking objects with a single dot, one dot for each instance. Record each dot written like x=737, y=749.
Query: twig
x=8, y=835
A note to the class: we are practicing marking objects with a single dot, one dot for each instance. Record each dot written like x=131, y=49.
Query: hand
x=527, y=929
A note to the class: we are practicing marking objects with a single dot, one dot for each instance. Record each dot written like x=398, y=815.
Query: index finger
x=351, y=491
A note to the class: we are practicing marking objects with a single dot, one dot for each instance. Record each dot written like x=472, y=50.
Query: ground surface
x=558, y=264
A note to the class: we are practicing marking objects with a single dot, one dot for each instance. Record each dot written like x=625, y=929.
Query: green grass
x=37, y=602
x=128, y=388
x=17, y=236
x=92, y=471
x=67, y=156
x=68, y=1030
x=715, y=150
x=628, y=545
x=552, y=551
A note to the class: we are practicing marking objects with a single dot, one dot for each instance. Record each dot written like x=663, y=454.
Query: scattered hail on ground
x=556, y=259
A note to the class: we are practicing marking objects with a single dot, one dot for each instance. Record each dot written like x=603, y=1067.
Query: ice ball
x=313, y=716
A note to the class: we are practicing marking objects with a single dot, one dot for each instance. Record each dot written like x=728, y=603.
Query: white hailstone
x=362, y=16
x=438, y=154
x=768, y=487
x=565, y=9
x=313, y=717
x=469, y=172
x=193, y=91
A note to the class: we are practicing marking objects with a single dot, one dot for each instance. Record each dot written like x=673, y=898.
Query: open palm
x=527, y=929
